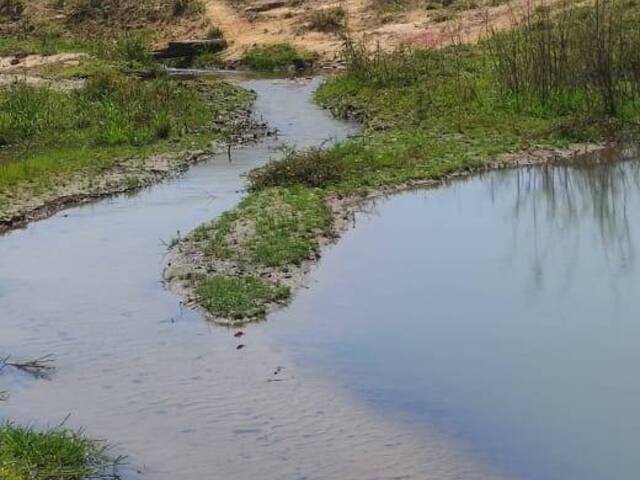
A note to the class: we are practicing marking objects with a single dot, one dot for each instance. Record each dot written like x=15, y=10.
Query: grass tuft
x=238, y=297
x=277, y=56
x=26, y=454
x=328, y=20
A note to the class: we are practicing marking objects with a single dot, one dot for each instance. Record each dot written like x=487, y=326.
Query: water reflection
x=561, y=196
x=500, y=310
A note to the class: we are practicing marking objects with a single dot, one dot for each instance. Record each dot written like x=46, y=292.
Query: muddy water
x=161, y=384
x=501, y=312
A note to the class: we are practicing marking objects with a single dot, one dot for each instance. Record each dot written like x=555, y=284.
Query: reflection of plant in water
x=594, y=186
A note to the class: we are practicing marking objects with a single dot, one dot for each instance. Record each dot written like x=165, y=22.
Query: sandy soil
x=414, y=26
x=27, y=69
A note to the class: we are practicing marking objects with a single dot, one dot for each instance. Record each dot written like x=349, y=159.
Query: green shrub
x=313, y=168
x=276, y=57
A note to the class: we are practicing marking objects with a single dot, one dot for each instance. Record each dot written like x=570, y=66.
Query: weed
x=215, y=32
x=26, y=454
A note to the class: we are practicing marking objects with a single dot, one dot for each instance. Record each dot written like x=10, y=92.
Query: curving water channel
x=484, y=330
x=157, y=381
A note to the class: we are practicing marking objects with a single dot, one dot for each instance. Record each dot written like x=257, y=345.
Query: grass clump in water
x=26, y=454
x=277, y=56
x=238, y=297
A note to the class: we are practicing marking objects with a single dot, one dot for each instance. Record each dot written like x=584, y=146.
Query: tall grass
x=111, y=111
x=26, y=454
x=591, y=52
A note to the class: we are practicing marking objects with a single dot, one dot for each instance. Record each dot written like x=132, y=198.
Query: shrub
x=275, y=56
x=328, y=20
x=132, y=47
x=215, y=32
x=313, y=167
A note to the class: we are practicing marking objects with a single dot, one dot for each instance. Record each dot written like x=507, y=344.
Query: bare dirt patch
x=252, y=22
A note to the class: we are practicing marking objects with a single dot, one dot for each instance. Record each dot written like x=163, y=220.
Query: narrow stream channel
x=172, y=391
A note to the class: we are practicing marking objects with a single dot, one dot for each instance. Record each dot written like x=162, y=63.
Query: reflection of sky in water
x=502, y=310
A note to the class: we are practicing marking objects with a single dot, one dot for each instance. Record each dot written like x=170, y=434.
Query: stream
x=484, y=330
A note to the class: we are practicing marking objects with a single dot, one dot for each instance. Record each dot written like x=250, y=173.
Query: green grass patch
x=26, y=454
x=48, y=135
x=272, y=228
x=277, y=56
x=238, y=297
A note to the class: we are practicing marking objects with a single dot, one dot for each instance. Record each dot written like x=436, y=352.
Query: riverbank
x=428, y=115
x=74, y=128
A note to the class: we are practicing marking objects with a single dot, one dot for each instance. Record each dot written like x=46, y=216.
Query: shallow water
x=157, y=381
x=501, y=312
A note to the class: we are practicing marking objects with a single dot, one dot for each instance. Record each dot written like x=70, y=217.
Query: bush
x=275, y=57
x=328, y=20
x=312, y=168
x=215, y=32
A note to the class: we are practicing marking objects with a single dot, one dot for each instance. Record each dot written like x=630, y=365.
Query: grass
x=51, y=136
x=26, y=454
x=273, y=228
x=238, y=297
x=277, y=56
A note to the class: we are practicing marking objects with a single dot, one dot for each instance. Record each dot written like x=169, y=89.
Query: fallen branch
x=40, y=367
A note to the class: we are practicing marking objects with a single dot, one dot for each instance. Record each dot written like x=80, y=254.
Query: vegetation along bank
x=85, y=111
x=564, y=80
